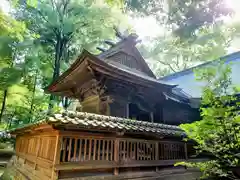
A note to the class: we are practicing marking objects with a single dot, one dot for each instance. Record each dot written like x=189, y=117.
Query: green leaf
x=8, y=77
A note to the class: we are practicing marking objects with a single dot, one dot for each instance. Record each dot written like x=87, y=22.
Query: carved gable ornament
x=126, y=60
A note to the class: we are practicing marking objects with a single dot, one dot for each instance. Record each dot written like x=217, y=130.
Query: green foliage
x=184, y=17
x=189, y=16
x=38, y=42
x=194, y=32
x=9, y=76
x=218, y=133
x=76, y=24
x=171, y=54
x=65, y=28
x=144, y=7
x=11, y=28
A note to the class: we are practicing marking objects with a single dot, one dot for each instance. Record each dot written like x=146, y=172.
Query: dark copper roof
x=108, y=123
x=110, y=67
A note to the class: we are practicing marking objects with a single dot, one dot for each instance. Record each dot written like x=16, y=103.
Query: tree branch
x=177, y=62
x=167, y=64
x=44, y=18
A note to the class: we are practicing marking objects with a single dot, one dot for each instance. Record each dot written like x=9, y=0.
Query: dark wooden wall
x=167, y=112
x=116, y=99
x=175, y=113
x=118, y=107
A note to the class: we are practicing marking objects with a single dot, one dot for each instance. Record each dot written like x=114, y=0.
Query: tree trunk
x=5, y=95
x=33, y=96
x=3, y=104
x=10, y=120
x=56, y=70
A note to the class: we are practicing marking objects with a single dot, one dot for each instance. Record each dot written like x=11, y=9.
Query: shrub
x=218, y=132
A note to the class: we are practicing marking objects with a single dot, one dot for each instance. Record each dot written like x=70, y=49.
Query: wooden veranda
x=84, y=145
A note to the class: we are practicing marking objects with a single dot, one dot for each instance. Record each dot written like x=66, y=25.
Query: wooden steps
x=5, y=156
x=3, y=164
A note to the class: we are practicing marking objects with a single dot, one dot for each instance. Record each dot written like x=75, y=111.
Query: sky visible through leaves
x=147, y=27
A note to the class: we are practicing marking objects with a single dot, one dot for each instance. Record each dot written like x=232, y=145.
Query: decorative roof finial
x=101, y=49
x=109, y=42
x=118, y=33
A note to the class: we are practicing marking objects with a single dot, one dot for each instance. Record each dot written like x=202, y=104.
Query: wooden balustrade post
x=116, y=156
x=56, y=158
x=156, y=151
x=185, y=150
x=157, y=154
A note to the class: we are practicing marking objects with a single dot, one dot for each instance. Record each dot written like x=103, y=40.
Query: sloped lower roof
x=107, y=123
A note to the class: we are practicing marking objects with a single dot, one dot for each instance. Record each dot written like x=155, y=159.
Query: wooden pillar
x=38, y=150
x=116, y=156
x=104, y=105
x=91, y=104
x=127, y=110
x=151, y=117
x=56, y=158
x=98, y=106
x=25, y=140
x=185, y=150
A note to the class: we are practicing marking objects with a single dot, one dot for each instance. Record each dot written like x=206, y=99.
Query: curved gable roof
x=107, y=68
x=128, y=47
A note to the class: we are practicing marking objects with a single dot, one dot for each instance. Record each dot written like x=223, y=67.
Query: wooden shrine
x=126, y=128
x=118, y=82
x=85, y=146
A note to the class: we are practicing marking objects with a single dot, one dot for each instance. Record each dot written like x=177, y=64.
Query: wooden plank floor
x=165, y=174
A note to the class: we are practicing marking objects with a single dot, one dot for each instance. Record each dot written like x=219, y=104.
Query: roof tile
x=95, y=121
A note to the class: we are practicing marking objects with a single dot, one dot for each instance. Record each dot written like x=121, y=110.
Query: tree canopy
x=195, y=31
x=40, y=41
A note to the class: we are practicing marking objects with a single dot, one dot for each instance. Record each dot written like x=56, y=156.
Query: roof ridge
x=117, y=45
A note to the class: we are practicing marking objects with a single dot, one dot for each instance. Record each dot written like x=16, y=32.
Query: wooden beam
x=35, y=130
x=87, y=165
x=87, y=134
x=102, y=164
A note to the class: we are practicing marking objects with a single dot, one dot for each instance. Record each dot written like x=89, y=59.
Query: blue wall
x=186, y=79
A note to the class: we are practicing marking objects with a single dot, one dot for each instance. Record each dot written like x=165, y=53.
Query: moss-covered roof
x=102, y=122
